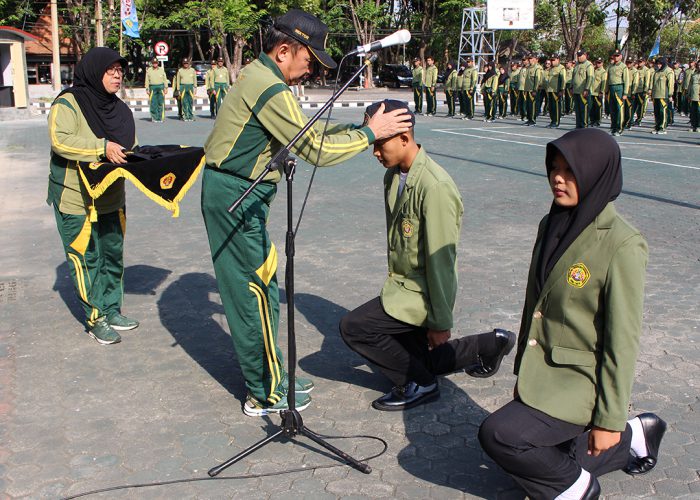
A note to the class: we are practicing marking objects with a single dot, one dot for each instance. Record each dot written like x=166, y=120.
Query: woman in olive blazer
x=579, y=336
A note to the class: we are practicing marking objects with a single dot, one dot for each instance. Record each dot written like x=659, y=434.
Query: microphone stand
x=292, y=423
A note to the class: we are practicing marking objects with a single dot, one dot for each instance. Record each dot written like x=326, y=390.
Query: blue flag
x=656, y=47
x=130, y=22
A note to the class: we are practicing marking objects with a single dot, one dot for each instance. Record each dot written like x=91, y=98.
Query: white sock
x=639, y=443
x=576, y=490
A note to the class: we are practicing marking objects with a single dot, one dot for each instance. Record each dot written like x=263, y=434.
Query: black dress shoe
x=593, y=490
x=654, y=429
x=487, y=366
x=407, y=396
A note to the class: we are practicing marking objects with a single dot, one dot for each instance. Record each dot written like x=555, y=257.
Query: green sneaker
x=122, y=323
x=302, y=385
x=104, y=333
x=255, y=408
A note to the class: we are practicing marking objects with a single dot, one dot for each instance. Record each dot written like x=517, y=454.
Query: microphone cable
x=385, y=446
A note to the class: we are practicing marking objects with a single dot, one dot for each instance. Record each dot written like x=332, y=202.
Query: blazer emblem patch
x=407, y=228
x=578, y=275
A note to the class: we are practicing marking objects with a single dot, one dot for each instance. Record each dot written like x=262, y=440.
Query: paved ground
x=165, y=404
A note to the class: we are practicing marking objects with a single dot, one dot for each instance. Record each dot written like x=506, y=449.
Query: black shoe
x=488, y=366
x=654, y=429
x=593, y=490
x=407, y=396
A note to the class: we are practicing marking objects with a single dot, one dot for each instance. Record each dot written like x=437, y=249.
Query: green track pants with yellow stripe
x=245, y=264
x=156, y=102
x=95, y=254
x=221, y=89
x=617, y=108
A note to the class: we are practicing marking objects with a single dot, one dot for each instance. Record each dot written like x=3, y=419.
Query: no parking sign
x=161, y=49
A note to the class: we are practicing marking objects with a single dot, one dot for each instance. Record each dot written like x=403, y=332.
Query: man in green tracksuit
x=185, y=85
x=471, y=77
x=522, y=98
x=568, y=95
x=209, y=85
x=513, y=77
x=417, y=85
x=450, y=89
x=677, y=72
x=461, y=94
x=662, y=87
x=694, y=100
x=429, y=84
x=554, y=86
x=600, y=75
x=581, y=83
x=156, y=84
x=406, y=331
x=642, y=90
x=634, y=84
x=618, y=90
x=222, y=82
x=256, y=120
x=532, y=82
x=685, y=101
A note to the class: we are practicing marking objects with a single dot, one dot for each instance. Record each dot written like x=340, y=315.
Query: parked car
x=395, y=75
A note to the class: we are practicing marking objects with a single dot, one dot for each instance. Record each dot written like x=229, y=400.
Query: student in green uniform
x=185, y=84
x=634, y=83
x=461, y=94
x=618, y=90
x=642, y=91
x=662, y=87
x=450, y=88
x=406, y=331
x=581, y=83
x=522, y=96
x=579, y=336
x=513, y=77
x=600, y=75
x=503, y=85
x=532, y=82
x=471, y=78
x=685, y=101
x=568, y=94
x=209, y=85
x=555, y=86
x=542, y=106
x=89, y=123
x=429, y=84
x=259, y=117
x=489, y=89
x=417, y=85
x=222, y=82
x=678, y=78
x=693, y=100
x=156, y=84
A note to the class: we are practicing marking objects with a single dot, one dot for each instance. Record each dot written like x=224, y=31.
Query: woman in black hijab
x=489, y=89
x=579, y=336
x=89, y=123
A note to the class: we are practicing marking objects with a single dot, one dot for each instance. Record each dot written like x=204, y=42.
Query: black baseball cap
x=309, y=30
x=389, y=105
x=155, y=60
x=599, y=60
x=616, y=52
x=553, y=57
x=582, y=52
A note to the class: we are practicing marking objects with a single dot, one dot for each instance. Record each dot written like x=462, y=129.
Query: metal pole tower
x=476, y=41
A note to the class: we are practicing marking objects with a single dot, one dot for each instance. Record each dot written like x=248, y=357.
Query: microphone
x=398, y=38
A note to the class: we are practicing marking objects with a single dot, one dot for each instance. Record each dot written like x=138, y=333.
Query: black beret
x=389, y=105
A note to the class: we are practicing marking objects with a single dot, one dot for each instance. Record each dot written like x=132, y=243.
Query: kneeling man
x=406, y=330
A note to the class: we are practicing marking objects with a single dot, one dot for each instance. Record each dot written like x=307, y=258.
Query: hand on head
x=384, y=125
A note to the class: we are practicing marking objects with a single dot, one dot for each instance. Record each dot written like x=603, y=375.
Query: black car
x=395, y=75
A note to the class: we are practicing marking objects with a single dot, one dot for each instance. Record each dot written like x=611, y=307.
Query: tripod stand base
x=292, y=424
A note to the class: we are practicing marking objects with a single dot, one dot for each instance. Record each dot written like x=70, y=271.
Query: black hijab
x=502, y=77
x=595, y=160
x=108, y=116
x=490, y=72
x=662, y=62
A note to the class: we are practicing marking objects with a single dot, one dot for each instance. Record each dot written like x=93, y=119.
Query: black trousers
x=545, y=455
x=401, y=350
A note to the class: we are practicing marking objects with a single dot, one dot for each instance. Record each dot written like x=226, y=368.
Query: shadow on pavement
x=187, y=312
x=325, y=316
x=138, y=280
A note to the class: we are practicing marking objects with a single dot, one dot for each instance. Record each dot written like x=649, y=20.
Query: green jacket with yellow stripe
x=579, y=337
x=423, y=226
x=261, y=115
x=73, y=141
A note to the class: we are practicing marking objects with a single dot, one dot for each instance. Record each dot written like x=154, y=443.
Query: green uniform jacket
x=533, y=78
x=261, y=115
x=423, y=228
x=635, y=83
x=186, y=76
x=694, y=87
x=156, y=77
x=418, y=76
x=557, y=79
x=451, y=82
x=600, y=78
x=490, y=84
x=569, y=76
x=676, y=73
x=209, y=79
x=514, y=77
x=430, y=78
x=545, y=79
x=471, y=78
x=73, y=141
x=688, y=76
x=648, y=77
x=522, y=76
x=618, y=74
x=663, y=84
x=582, y=77
x=579, y=339
x=221, y=75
